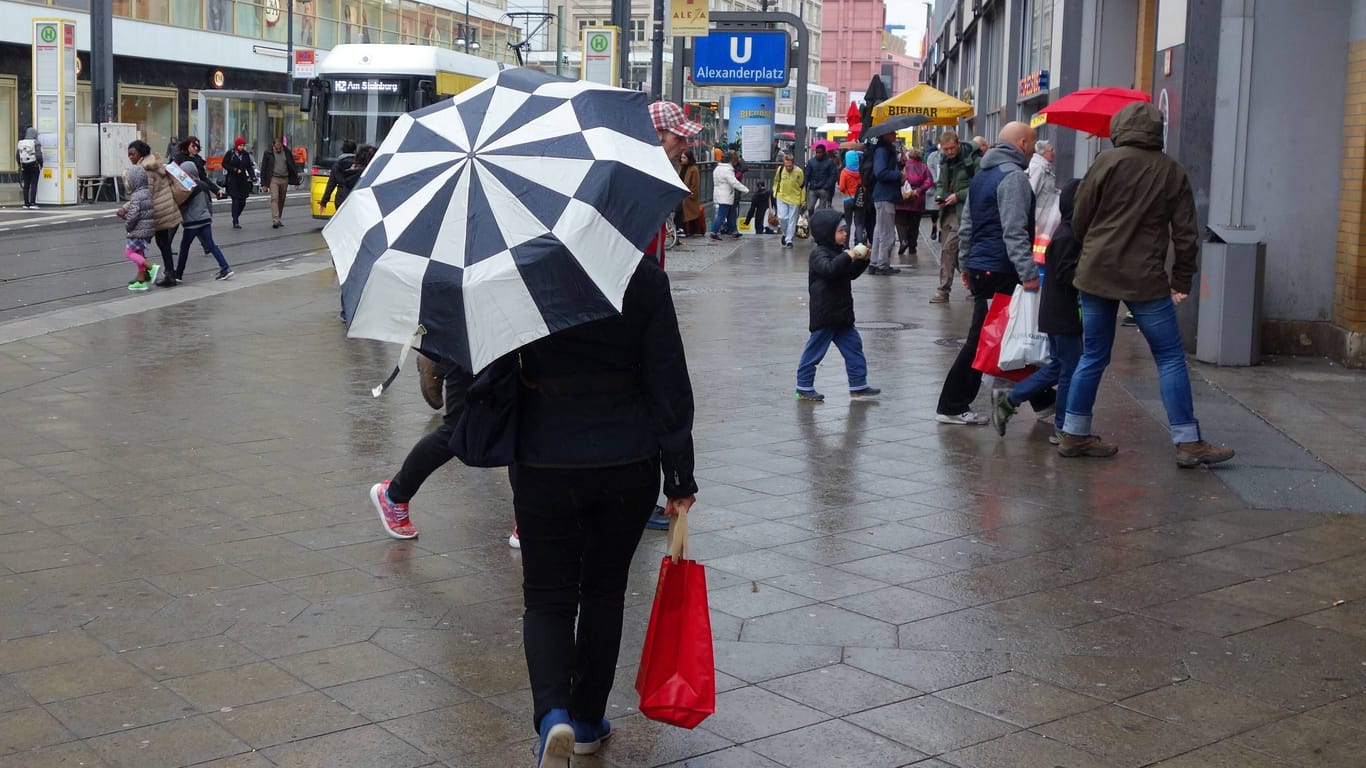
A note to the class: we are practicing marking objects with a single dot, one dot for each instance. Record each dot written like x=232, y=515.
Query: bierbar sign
x=1033, y=84
x=899, y=111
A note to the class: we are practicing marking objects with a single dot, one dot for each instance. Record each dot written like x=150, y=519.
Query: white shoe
x=514, y=541
x=1046, y=415
x=971, y=418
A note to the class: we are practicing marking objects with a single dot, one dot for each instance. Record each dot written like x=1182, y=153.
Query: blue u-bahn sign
x=741, y=58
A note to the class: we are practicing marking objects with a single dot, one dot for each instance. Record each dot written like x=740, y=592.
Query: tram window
x=362, y=117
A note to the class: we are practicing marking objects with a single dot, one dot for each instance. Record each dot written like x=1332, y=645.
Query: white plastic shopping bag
x=1023, y=345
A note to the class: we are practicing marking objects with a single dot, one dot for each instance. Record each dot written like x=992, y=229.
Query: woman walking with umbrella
x=557, y=277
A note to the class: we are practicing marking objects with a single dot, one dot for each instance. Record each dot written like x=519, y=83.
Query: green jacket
x=955, y=175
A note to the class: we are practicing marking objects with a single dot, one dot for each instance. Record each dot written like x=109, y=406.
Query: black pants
x=908, y=228
x=934, y=218
x=434, y=449
x=238, y=204
x=869, y=222
x=963, y=382
x=579, y=530
x=28, y=183
x=163, y=241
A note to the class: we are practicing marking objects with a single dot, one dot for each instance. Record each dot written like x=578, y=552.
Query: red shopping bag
x=989, y=343
x=677, y=678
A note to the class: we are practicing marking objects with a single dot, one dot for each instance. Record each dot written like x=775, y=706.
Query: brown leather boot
x=1089, y=446
x=1189, y=455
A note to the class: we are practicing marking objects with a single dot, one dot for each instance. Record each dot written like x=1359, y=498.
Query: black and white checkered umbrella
x=517, y=209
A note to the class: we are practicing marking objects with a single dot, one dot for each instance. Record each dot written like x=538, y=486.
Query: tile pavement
x=190, y=573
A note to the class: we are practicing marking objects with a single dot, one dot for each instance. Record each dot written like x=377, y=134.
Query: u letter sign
x=741, y=58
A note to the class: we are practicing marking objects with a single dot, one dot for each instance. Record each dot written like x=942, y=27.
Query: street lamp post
x=464, y=39
x=289, y=46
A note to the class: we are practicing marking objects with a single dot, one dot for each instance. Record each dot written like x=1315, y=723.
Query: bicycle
x=670, y=234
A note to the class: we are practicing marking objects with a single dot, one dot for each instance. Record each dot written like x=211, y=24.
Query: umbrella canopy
x=939, y=107
x=517, y=209
x=1090, y=109
x=892, y=125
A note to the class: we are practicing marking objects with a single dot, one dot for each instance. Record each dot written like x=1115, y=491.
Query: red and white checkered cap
x=668, y=116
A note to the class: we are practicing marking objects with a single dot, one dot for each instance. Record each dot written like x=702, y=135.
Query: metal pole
x=657, y=54
x=621, y=19
x=468, y=30
x=559, y=40
x=102, y=61
x=289, y=47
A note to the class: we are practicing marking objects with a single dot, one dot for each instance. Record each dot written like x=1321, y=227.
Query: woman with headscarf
x=917, y=179
x=241, y=177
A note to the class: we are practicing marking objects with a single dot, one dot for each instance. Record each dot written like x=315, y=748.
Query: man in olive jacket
x=1133, y=203
x=958, y=164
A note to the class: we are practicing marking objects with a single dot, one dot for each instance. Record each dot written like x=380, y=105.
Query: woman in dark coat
x=603, y=408
x=241, y=177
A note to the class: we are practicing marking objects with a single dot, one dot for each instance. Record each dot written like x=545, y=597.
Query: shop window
x=273, y=12
x=390, y=26
x=305, y=23
x=153, y=110
x=325, y=25
x=188, y=13
x=158, y=11
x=9, y=120
x=218, y=15
x=247, y=17
x=75, y=5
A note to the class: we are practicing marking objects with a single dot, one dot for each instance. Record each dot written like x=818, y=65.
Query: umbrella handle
x=416, y=341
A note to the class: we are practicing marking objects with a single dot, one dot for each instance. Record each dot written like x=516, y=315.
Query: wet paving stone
x=885, y=591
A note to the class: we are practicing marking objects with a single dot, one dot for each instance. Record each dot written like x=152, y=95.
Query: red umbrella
x=855, y=120
x=1090, y=109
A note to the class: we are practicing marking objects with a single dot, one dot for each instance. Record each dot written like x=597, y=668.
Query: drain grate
x=885, y=325
x=952, y=341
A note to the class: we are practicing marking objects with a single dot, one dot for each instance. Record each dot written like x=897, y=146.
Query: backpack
x=28, y=151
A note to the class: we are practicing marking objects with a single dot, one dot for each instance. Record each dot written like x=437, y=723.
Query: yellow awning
x=939, y=107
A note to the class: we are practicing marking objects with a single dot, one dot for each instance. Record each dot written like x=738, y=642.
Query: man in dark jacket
x=336, y=179
x=1133, y=203
x=998, y=236
x=830, y=275
x=278, y=173
x=240, y=172
x=957, y=164
x=1058, y=317
x=887, y=177
x=821, y=176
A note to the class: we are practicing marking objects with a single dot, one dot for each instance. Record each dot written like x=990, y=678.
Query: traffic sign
x=741, y=58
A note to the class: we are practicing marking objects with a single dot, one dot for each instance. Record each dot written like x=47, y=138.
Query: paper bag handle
x=678, y=536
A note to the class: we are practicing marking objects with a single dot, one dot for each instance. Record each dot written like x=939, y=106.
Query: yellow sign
x=1038, y=120
x=688, y=18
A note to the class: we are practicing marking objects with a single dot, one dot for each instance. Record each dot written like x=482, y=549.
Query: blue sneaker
x=557, y=740
x=588, y=738
x=658, y=520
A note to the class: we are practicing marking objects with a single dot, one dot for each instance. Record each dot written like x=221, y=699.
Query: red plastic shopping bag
x=989, y=344
x=677, y=678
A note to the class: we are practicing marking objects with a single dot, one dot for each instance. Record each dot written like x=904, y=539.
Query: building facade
x=1265, y=104
x=852, y=49
x=168, y=52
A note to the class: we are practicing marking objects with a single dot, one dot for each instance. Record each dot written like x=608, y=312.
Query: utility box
x=114, y=141
x=1229, y=322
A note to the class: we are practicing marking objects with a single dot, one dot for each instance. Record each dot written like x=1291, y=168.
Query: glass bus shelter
x=219, y=117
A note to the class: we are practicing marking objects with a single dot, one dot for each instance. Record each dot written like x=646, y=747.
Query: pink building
x=851, y=48
x=899, y=71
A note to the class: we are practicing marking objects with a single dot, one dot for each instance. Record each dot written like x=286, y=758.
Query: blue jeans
x=850, y=345
x=1065, y=351
x=1157, y=321
x=727, y=214
x=205, y=235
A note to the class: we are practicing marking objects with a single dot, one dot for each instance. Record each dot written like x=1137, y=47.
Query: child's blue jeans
x=850, y=345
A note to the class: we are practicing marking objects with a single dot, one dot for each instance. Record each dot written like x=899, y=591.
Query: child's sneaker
x=138, y=285
x=809, y=395
x=1001, y=410
x=865, y=392
x=393, y=516
x=152, y=271
x=588, y=737
x=224, y=274
x=514, y=540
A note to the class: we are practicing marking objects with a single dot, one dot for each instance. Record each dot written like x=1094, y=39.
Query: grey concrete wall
x=1294, y=140
x=1358, y=20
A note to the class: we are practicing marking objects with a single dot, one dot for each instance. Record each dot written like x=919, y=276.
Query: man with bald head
x=997, y=236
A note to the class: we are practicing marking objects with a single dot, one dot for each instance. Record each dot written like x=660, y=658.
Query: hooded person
x=166, y=212
x=197, y=213
x=850, y=181
x=28, y=153
x=1135, y=202
x=139, y=227
x=831, y=272
x=821, y=179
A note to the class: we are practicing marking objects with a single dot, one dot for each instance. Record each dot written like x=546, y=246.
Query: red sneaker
x=393, y=516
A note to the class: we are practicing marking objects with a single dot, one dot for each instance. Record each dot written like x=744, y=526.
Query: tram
x=361, y=89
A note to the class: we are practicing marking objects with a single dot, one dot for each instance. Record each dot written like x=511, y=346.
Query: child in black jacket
x=831, y=274
x=1059, y=317
x=758, y=206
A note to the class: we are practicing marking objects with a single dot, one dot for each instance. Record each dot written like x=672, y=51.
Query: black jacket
x=612, y=392
x=831, y=274
x=336, y=180
x=1059, y=299
x=239, y=167
x=268, y=167
x=821, y=173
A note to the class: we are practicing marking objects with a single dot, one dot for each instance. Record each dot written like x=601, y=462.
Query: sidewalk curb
x=69, y=217
x=64, y=319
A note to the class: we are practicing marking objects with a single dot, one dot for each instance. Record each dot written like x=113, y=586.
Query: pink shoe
x=393, y=516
